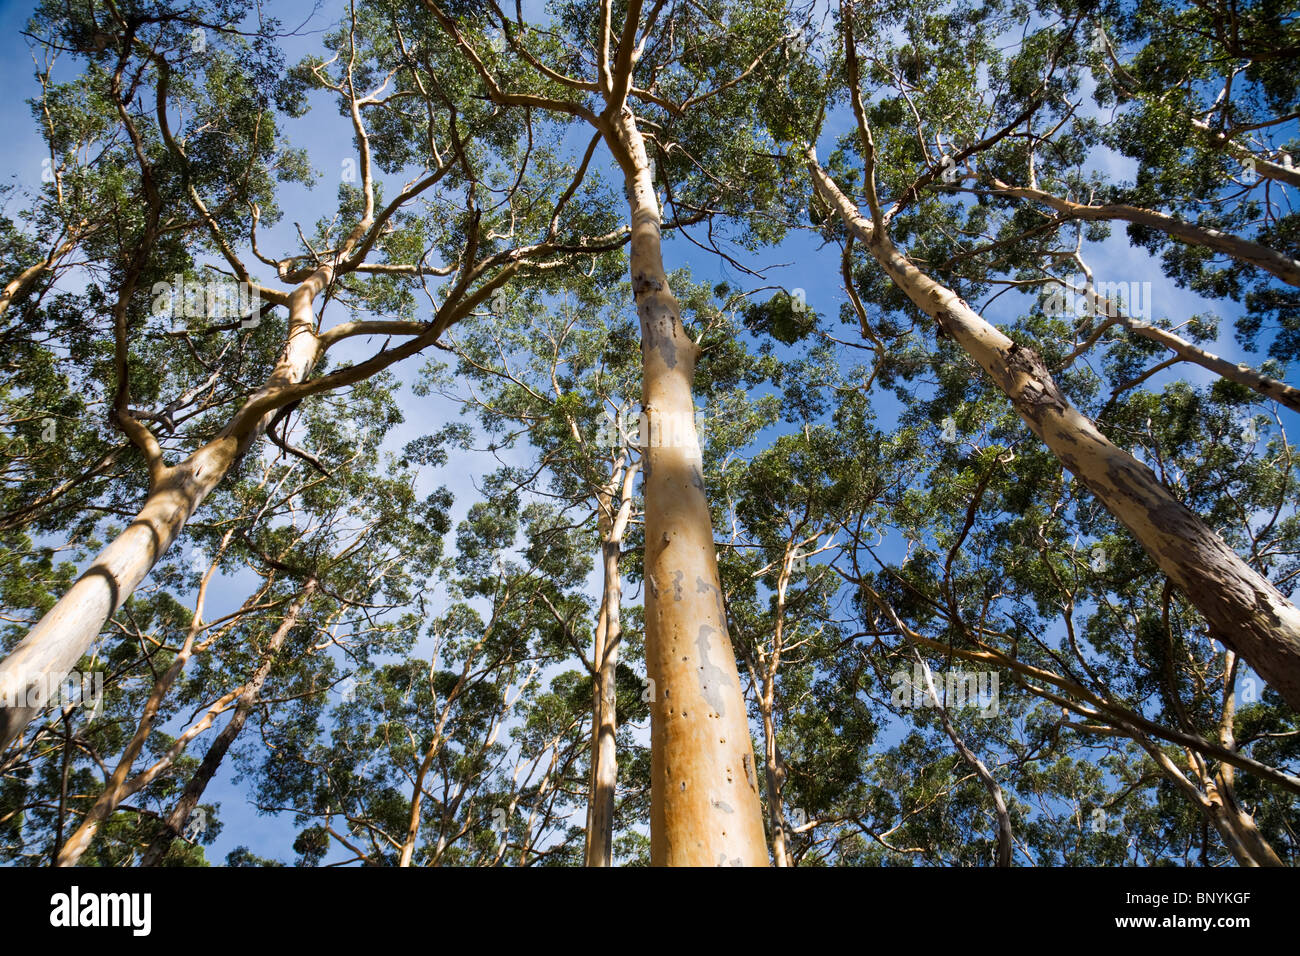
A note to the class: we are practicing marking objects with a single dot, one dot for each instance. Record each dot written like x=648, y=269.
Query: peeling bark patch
x=749, y=772
x=723, y=861
x=711, y=675
x=697, y=478
x=677, y=585
x=702, y=586
x=722, y=805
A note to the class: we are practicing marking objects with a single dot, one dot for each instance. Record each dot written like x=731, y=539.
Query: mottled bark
x=705, y=809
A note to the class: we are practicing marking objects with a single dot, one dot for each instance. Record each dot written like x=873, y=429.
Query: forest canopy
x=684, y=432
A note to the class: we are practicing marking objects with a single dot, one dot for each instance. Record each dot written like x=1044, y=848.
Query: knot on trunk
x=642, y=283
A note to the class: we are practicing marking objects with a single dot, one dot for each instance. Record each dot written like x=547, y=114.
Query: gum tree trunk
x=774, y=768
x=612, y=521
x=604, y=769
x=1242, y=609
x=705, y=808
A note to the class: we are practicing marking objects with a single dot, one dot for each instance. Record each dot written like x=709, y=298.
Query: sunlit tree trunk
x=773, y=765
x=775, y=772
x=119, y=787
x=1236, y=826
x=600, y=832
x=604, y=759
x=705, y=809
x=1243, y=610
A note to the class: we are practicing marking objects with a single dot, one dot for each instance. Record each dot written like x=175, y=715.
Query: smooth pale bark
x=604, y=772
x=773, y=765
x=1237, y=827
x=118, y=788
x=604, y=717
x=54, y=645
x=1241, y=608
x=1265, y=169
x=248, y=697
x=1270, y=260
x=598, y=650
x=1228, y=815
x=774, y=768
x=705, y=809
x=1237, y=830
x=1270, y=388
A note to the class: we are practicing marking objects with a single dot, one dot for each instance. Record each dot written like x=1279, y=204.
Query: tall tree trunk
x=775, y=772
x=597, y=654
x=774, y=766
x=54, y=645
x=604, y=772
x=1242, y=609
x=705, y=809
x=248, y=697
